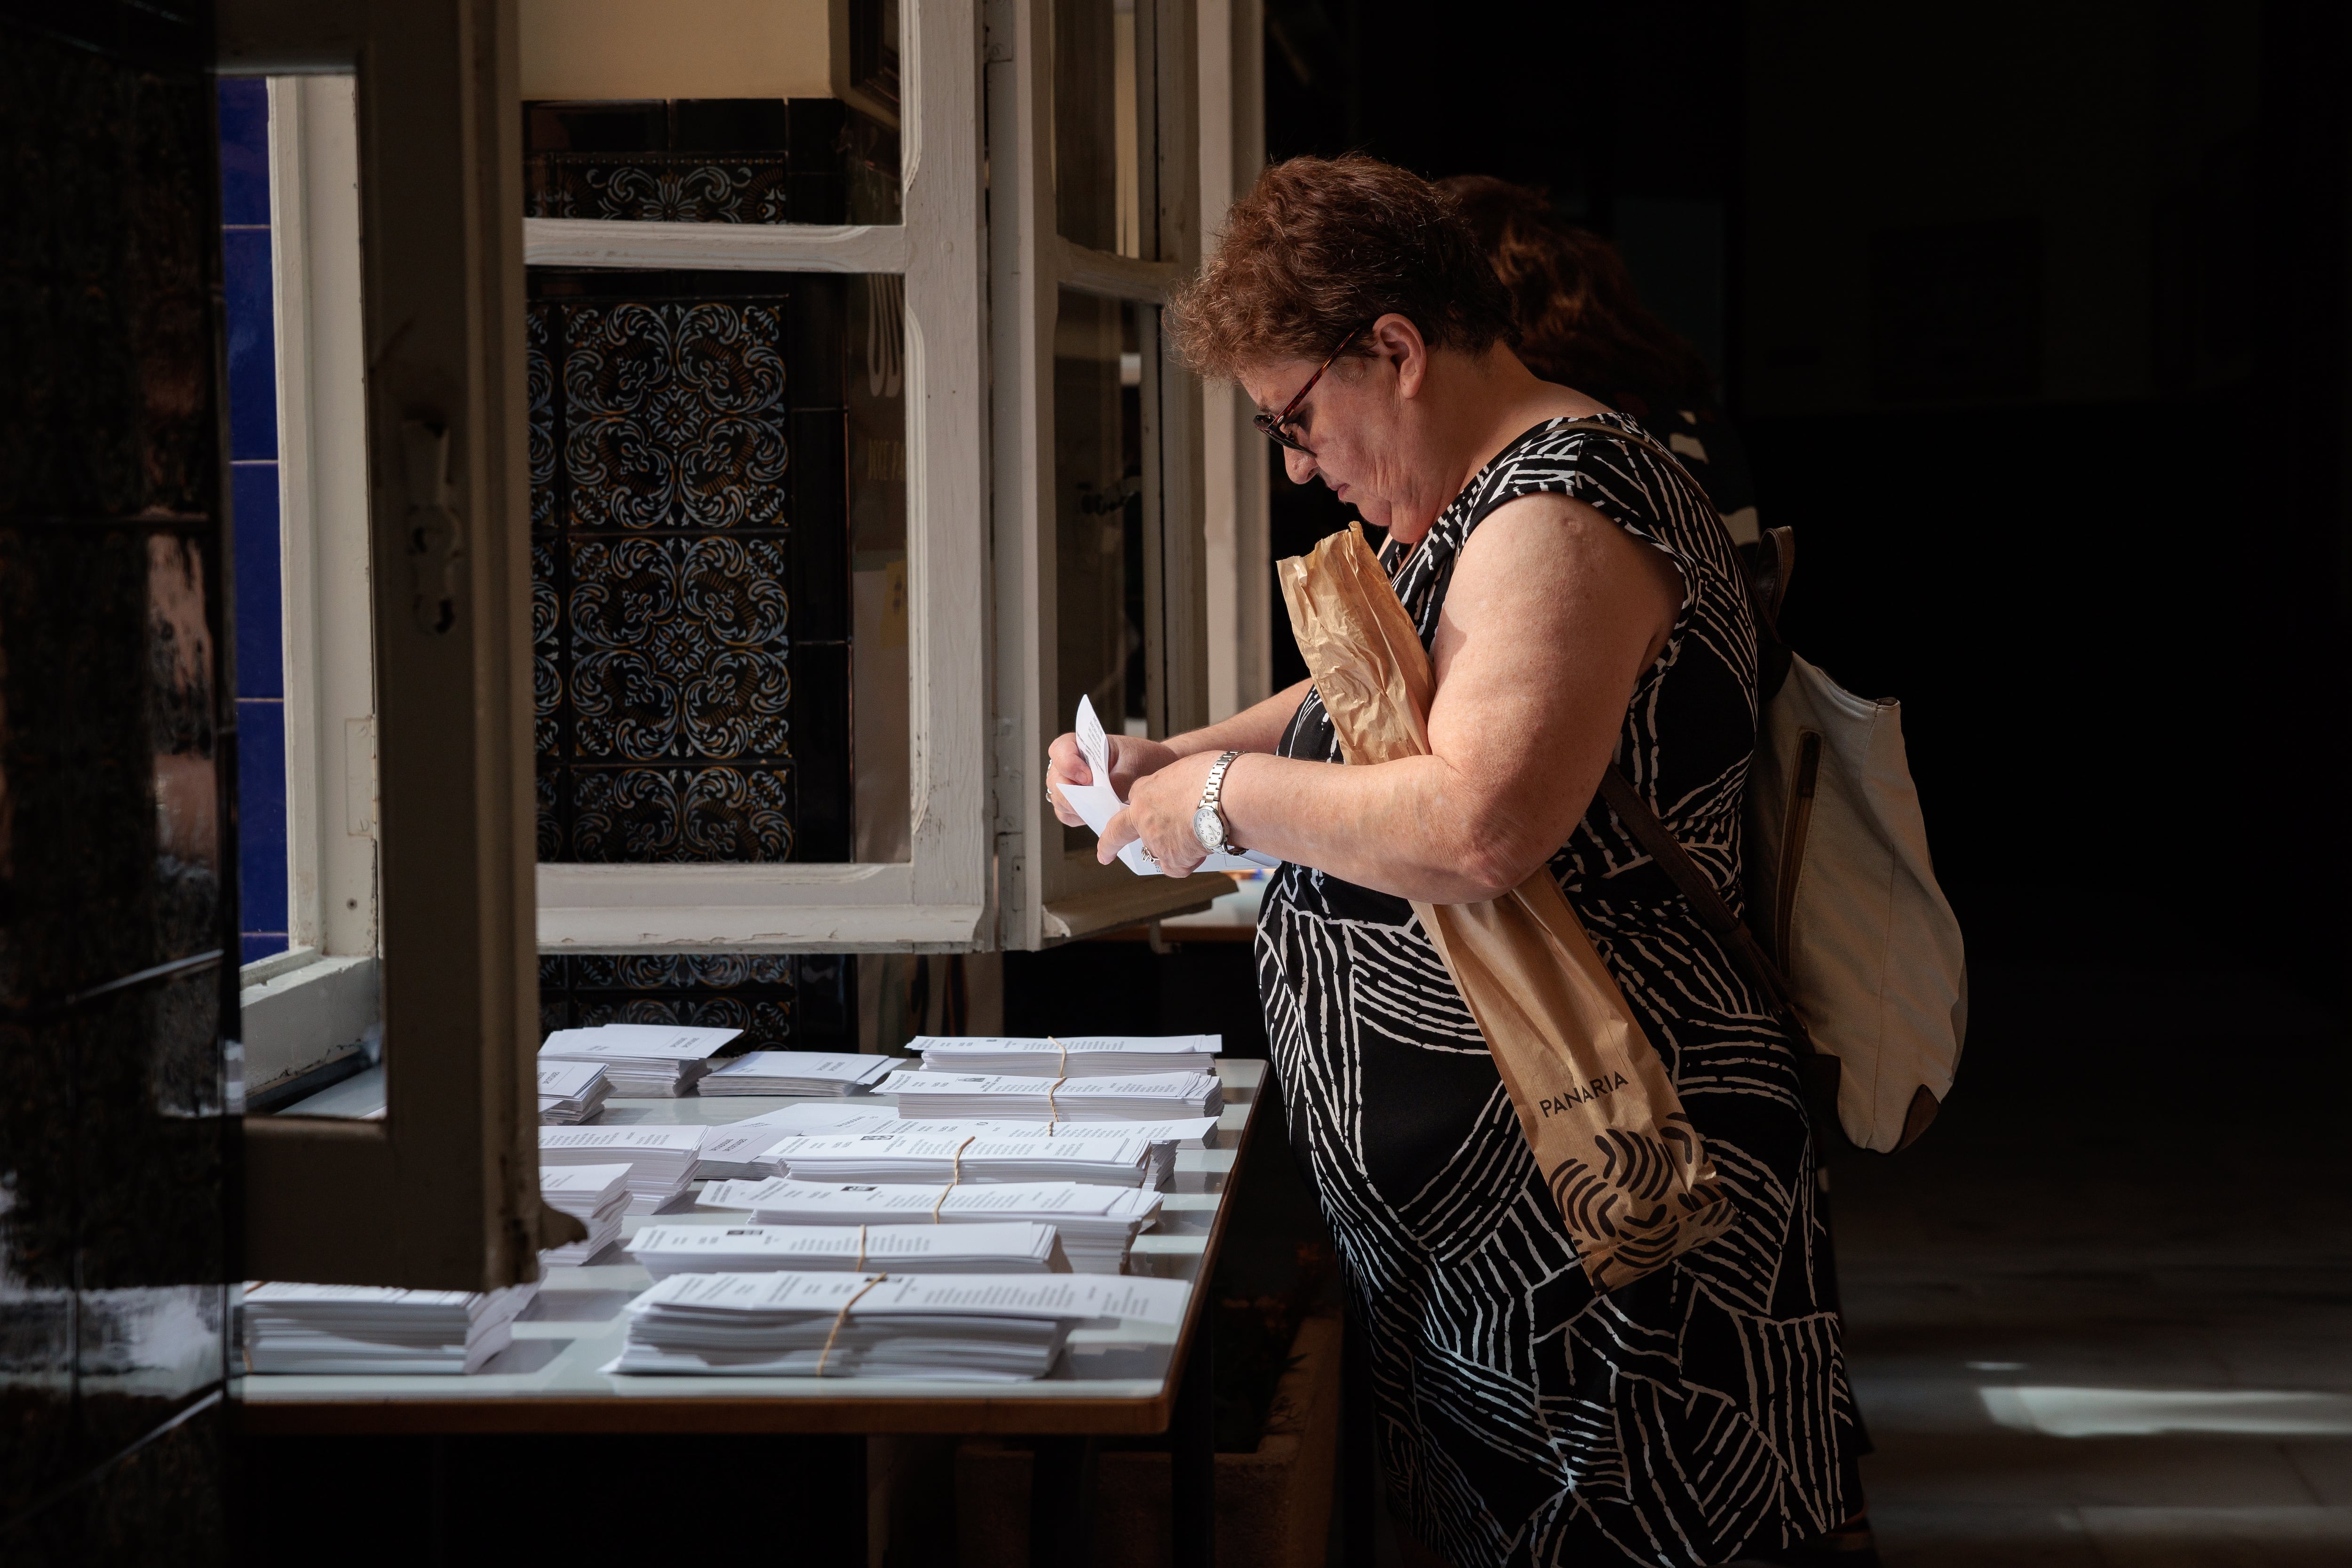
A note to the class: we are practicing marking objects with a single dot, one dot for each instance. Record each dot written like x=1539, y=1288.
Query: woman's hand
x=1132, y=757
x=1160, y=812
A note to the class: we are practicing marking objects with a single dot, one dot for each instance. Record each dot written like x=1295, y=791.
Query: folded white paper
x=572, y=1093
x=658, y=1060
x=803, y=1073
x=1098, y=802
x=1006, y=1247
x=1096, y=1223
x=343, y=1329
x=1144, y=1097
x=977, y=1327
x=661, y=1160
x=596, y=1195
x=1070, y=1055
x=1098, y=1152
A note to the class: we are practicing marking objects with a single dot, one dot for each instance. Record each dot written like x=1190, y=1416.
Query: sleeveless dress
x=1523, y=1419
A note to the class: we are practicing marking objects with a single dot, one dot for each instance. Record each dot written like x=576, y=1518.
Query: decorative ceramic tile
x=691, y=815
x=801, y=1002
x=660, y=187
x=674, y=414
x=679, y=649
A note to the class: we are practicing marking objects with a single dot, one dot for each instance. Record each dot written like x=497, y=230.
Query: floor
x=2102, y=1315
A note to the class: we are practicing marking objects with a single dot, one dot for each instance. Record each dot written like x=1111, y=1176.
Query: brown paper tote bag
x=1633, y=1184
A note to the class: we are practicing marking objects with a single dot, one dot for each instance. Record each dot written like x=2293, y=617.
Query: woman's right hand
x=1132, y=757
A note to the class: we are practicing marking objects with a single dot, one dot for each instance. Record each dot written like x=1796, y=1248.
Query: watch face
x=1209, y=828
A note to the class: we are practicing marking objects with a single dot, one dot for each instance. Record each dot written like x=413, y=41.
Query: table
x=1121, y=1379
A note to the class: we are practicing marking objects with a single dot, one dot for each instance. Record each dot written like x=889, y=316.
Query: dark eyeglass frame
x=1270, y=425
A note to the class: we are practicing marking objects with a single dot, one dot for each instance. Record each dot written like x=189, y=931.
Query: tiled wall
x=253, y=480
x=690, y=541
x=116, y=922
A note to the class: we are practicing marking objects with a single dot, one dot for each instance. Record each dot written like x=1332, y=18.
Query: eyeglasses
x=1270, y=425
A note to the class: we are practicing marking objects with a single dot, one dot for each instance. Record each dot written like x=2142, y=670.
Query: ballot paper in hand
x=1098, y=802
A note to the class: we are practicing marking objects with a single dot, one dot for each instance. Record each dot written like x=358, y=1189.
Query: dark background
x=2034, y=319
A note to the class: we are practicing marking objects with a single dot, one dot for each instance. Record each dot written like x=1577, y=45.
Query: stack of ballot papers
x=1014, y=1248
x=595, y=1195
x=661, y=1160
x=1069, y=1055
x=375, y=1329
x=807, y=1074
x=992, y=1328
x=751, y=1149
x=661, y=1059
x=734, y=1149
x=570, y=1092
x=1151, y=1096
x=1096, y=1225
x=1097, y=1153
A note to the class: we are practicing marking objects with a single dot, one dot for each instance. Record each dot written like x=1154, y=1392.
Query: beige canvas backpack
x=1853, y=942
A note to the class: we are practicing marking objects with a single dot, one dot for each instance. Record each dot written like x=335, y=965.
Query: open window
x=407, y=616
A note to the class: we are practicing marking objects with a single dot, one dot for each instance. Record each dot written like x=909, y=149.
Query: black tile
x=37, y=1402
x=662, y=187
x=152, y=1171
x=681, y=815
x=162, y=1504
x=825, y=819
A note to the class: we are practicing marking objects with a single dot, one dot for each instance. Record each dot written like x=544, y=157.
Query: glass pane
x=1101, y=515
x=712, y=159
x=719, y=565
x=313, y=1018
x=1098, y=173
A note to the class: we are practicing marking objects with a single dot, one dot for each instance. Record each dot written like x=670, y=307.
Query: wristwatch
x=1208, y=821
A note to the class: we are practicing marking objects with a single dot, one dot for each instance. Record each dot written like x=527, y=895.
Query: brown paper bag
x=1633, y=1184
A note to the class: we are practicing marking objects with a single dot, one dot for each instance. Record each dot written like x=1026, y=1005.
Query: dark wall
x=2034, y=321
x=116, y=1179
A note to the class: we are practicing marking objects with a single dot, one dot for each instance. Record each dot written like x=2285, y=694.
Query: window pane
x=714, y=644
x=1099, y=175
x=1100, y=513
x=312, y=1017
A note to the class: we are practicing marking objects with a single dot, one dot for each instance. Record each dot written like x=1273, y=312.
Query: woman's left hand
x=1160, y=812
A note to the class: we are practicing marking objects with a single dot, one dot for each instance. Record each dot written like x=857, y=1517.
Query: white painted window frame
x=938, y=900
x=1048, y=893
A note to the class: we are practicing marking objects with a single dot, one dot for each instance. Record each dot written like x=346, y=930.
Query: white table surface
x=575, y=1326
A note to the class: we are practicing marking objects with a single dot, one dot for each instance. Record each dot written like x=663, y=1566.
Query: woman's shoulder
x=1605, y=451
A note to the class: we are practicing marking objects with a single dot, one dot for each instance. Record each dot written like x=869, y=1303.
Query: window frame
x=938, y=900
x=442, y=1192
x=1049, y=894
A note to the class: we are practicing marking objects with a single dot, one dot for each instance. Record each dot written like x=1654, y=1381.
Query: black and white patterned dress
x=1523, y=1419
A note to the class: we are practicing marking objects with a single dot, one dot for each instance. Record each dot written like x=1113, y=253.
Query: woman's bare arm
x=1255, y=729
x=1553, y=615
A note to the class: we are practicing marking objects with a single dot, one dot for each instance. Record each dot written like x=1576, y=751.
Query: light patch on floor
x=2148, y=1413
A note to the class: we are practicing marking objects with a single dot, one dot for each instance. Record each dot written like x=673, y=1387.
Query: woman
x=1581, y=606
x=1581, y=325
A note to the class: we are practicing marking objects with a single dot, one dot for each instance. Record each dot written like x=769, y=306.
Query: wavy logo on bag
x=1640, y=1207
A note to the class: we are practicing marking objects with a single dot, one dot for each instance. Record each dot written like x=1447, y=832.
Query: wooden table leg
x=1062, y=1502
x=1193, y=1458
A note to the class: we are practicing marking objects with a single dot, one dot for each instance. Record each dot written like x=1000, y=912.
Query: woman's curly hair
x=1581, y=323
x=1323, y=246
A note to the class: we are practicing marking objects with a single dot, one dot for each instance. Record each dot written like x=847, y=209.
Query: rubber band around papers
x=861, y=1249
x=955, y=1175
x=1061, y=1077
x=842, y=1317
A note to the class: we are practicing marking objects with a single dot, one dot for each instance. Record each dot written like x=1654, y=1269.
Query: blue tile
x=252, y=344
x=261, y=945
x=262, y=815
x=260, y=593
x=245, y=151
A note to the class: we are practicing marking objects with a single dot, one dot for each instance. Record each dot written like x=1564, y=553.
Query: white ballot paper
x=1097, y=1223
x=1098, y=802
x=1067, y=1056
x=995, y=1328
x=656, y=1059
x=734, y=1150
x=341, y=1329
x=595, y=1195
x=812, y=1075
x=572, y=1093
x=923, y=1094
x=661, y=1160
x=1010, y=1247
x=1099, y=1153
